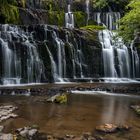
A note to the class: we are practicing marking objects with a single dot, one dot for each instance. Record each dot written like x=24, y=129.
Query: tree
x=130, y=23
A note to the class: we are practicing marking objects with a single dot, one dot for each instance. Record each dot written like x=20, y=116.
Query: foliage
x=106, y=3
x=130, y=23
x=12, y=2
x=99, y=3
x=56, y=17
x=56, y=5
x=80, y=18
x=9, y=13
x=93, y=27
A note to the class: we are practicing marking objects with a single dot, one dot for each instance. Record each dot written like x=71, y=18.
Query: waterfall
x=135, y=62
x=87, y=11
x=105, y=38
x=69, y=18
x=77, y=57
x=43, y=53
x=60, y=57
x=118, y=61
x=53, y=66
x=34, y=64
x=123, y=60
x=12, y=58
x=109, y=19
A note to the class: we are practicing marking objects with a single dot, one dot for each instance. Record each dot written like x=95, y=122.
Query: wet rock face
x=50, y=52
x=33, y=16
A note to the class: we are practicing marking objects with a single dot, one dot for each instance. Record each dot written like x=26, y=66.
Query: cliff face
x=41, y=53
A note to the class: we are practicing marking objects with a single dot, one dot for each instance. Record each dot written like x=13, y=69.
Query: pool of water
x=82, y=113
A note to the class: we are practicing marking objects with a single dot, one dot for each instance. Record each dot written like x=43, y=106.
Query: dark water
x=82, y=113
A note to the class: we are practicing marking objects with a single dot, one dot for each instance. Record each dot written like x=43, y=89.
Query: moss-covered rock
x=93, y=27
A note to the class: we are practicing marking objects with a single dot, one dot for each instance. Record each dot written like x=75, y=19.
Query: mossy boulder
x=136, y=108
x=61, y=98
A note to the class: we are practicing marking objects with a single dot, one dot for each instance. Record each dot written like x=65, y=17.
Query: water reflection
x=115, y=110
x=81, y=113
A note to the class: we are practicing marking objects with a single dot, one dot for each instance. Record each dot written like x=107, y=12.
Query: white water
x=105, y=38
x=12, y=65
x=61, y=67
x=102, y=93
x=117, y=60
x=87, y=2
x=69, y=18
x=109, y=19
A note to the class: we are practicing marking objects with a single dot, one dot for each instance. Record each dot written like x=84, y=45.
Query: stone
x=49, y=137
x=69, y=136
x=86, y=135
x=136, y=108
x=24, y=132
x=32, y=132
x=19, y=130
x=107, y=128
x=6, y=137
x=124, y=127
x=112, y=128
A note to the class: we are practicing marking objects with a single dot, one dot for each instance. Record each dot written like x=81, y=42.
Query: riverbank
x=52, y=89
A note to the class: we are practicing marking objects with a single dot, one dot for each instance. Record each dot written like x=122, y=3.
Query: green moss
x=93, y=27
x=61, y=98
x=80, y=18
x=9, y=13
x=56, y=18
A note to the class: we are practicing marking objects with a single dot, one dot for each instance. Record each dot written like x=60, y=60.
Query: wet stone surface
x=6, y=112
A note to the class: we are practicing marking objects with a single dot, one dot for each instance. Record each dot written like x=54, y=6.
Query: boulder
x=112, y=128
x=107, y=128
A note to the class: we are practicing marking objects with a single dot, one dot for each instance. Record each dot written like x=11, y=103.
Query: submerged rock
x=112, y=128
x=136, y=108
x=32, y=132
x=107, y=128
x=59, y=98
x=26, y=132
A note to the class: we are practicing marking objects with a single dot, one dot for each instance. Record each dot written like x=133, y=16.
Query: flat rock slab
x=112, y=128
x=6, y=112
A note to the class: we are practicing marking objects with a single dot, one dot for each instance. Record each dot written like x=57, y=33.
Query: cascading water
x=77, y=57
x=69, y=18
x=105, y=38
x=87, y=11
x=135, y=62
x=116, y=56
x=61, y=57
x=12, y=59
x=43, y=53
x=109, y=19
